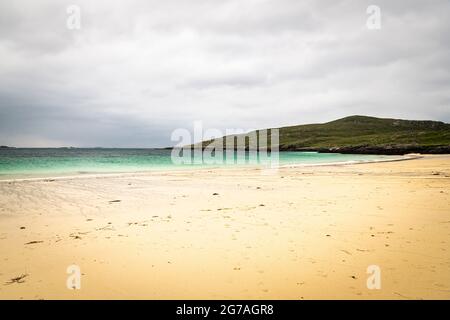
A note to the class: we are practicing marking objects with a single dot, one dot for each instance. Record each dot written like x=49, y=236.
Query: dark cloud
x=137, y=70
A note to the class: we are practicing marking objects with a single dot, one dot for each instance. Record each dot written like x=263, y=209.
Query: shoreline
x=182, y=169
x=350, y=162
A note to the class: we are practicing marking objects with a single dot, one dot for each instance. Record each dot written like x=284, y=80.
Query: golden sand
x=302, y=233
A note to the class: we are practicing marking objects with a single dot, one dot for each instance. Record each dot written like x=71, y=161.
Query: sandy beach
x=231, y=233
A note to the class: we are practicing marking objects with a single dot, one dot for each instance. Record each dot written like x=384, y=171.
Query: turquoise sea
x=35, y=162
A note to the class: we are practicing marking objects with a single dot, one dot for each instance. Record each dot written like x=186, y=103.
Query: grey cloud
x=137, y=70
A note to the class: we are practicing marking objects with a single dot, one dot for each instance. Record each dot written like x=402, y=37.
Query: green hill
x=361, y=134
x=361, y=130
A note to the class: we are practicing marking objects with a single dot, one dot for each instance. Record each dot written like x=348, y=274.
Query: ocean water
x=34, y=162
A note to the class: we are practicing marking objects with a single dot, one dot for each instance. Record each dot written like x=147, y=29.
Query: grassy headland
x=362, y=134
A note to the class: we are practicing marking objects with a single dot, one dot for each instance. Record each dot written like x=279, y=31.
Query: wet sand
x=299, y=233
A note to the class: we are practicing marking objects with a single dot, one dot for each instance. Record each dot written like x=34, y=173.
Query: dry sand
x=302, y=233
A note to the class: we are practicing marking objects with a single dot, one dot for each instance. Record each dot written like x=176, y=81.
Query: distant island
x=366, y=135
x=6, y=147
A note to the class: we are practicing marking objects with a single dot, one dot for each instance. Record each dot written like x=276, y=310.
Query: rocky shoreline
x=384, y=150
x=363, y=149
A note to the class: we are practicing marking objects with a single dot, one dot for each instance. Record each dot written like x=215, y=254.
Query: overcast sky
x=137, y=70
